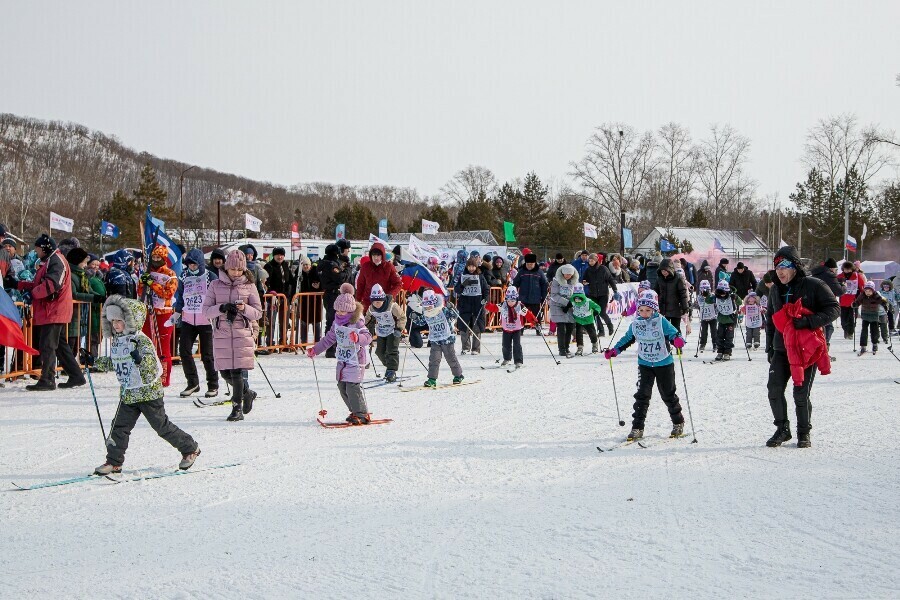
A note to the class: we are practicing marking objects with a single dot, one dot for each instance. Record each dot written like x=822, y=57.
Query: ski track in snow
x=494, y=490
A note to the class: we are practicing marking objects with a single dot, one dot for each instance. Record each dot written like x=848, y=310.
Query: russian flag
x=851, y=243
x=415, y=276
x=11, y=325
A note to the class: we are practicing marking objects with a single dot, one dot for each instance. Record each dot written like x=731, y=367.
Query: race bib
x=346, y=351
x=852, y=286
x=471, y=285
x=162, y=279
x=724, y=306
x=764, y=302
x=582, y=310
x=648, y=333
x=753, y=312
x=438, y=327
x=194, y=291
x=384, y=323
x=127, y=372
x=707, y=311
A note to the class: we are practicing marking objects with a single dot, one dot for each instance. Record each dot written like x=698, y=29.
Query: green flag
x=508, y=231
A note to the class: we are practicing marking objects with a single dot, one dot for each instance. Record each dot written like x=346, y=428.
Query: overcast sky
x=407, y=93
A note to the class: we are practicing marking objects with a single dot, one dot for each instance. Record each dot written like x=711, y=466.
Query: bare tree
x=470, y=184
x=721, y=160
x=675, y=177
x=837, y=146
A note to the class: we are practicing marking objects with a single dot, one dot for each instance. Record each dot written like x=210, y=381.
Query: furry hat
x=159, y=254
x=278, y=250
x=377, y=292
x=649, y=298
x=531, y=257
x=120, y=308
x=76, y=256
x=236, y=260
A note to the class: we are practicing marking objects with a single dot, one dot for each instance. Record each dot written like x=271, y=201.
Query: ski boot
x=476, y=352
x=720, y=357
x=520, y=365
x=463, y=352
x=430, y=383
x=187, y=460
x=568, y=354
x=595, y=347
x=677, y=430
x=579, y=351
x=355, y=419
x=726, y=357
x=390, y=376
x=249, y=397
x=635, y=435
x=192, y=388
x=748, y=345
x=504, y=363
x=108, y=468
x=458, y=379
x=803, y=440
x=874, y=349
x=702, y=349
x=781, y=435
x=756, y=345
x=236, y=413
x=862, y=351
x=212, y=392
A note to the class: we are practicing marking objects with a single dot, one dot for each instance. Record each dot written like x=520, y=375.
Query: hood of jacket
x=666, y=265
x=134, y=312
x=121, y=259
x=195, y=255
x=566, y=270
x=249, y=248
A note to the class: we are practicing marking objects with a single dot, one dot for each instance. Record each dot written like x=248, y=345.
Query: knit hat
x=346, y=288
x=160, y=254
x=559, y=255
x=723, y=285
x=342, y=244
x=511, y=293
x=345, y=303
x=526, y=250
x=870, y=285
x=45, y=243
x=788, y=253
x=216, y=254
x=644, y=285
x=577, y=289
x=592, y=256
x=723, y=261
x=67, y=244
x=277, y=251
x=648, y=298
x=704, y=285
x=236, y=260
x=751, y=294
x=8, y=242
x=740, y=265
x=430, y=300
x=76, y=256
x=830, y=263
x=377, y=292
x=304, y=260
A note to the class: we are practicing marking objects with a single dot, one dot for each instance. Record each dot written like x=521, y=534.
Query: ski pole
x=460, y=319
x=615, y=394
x=88, y=359
x=322, y=411
x=416, y=356
x=403, y=366
x=741, y=329
x=541, y=333
x=261, y=370
x=686, y=399
x=697, y=351
x=612, y=340
x=372, y=361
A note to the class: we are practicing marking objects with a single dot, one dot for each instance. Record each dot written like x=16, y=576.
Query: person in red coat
x=157, y=287
x=853, y=282
x=376, y=270
x=51, y=293
x=784, y=344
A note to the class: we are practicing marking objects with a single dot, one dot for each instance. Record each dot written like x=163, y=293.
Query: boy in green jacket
x=583, y=311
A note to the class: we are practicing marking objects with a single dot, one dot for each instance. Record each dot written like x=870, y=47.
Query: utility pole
x=800, y=236
x=181, y=201
x=621, y=204
x=219, y=223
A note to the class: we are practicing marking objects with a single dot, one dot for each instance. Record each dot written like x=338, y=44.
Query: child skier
x=708, y=323
x=351, y=336
x=726, y=304
x=472, y=293
x=137, y=367
x=583, y=311
x=513, y=317
x=870, y=306
x=387, y=319
x=440, y=320
x=892, y=296
x=653, y=333
x=753, y=319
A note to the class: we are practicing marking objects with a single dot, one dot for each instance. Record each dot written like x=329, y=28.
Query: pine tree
x=358, y=221
x=534, y=209
x=127, y=215
x=149, y=193
x=477, y=214
x=698, y=219
x=509, y=205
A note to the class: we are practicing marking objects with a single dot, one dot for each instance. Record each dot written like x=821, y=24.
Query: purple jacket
x=345, y=372
x=233, y=342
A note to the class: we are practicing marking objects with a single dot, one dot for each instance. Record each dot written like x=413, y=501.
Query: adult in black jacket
x=651, y=268
x=280, y=280
x=532, y=285
x=791, y=284
x=559, y=261
x=722, y=272
x=597, y=280
x=472, y=293
x=309, y=308
x=742, y=281
x=673, y=298
x=827, y=272
x=331, y=276
x=704, y=273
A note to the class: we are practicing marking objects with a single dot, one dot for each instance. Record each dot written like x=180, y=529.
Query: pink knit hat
x=345, y=302
x=236, y=260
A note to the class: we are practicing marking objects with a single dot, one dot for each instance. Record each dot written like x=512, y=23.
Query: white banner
x=865, y=230
x=374, y=238
x=251, y=222
x=420, y=250
x=61, y=223
x=590, y=231
x=430, y=226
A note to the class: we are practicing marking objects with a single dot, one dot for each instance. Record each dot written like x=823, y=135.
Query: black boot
x=781, y=435
x=249, y=397
x=236, y=413
x=803, y=440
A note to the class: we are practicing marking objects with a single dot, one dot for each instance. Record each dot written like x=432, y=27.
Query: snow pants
x=163, y=343
x=155, y=413
x=189, y=334
x=475, y=322
x=579, y=334
x=602, y=302
x=725, y=338
x=848, y=320
x=512, y=346
x=387, y=349
x=779, y=377
x=52, y=345
x=868, y=326
x=448, y=351
x=665, y=383
x=709, y=329
x=352, y=395
x=564, y=333
x=752, y=336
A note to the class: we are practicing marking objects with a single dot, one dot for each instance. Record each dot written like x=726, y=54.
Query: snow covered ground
x=494, y=490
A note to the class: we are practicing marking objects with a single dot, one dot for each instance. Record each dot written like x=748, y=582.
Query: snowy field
x=494, y=490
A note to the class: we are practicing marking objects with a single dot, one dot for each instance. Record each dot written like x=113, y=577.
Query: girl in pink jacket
x=351, y=336
x=232, y=306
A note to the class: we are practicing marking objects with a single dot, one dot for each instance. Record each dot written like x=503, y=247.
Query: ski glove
x=483, y=301
x=136, y=354
x=617, y=296
x=311, y=352
x=611, y=353
x=802, y=323
x=678, y=342
x=567, y=307
x=146, y=279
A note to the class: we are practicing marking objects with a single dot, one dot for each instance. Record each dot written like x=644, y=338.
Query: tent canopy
x=880, y=269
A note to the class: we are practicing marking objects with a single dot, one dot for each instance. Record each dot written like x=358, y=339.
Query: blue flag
x=154, y=235
x=626, y=237
x=665, y=245
x=108, y=229
x=718, y=245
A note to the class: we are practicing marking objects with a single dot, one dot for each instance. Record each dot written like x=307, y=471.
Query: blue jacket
x=581, y=266
x=669, y=332
x=532, y=285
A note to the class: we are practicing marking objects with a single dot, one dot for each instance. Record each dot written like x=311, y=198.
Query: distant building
x=736, y=243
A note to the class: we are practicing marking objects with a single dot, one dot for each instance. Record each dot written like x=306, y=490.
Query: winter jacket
x=459, y=266
x=689, y=272
x=620, y=275
x=497, y=277
x=742, y=283
x=815, y=296
x=513, y=318
x=452, y=316
x=668, y=331
x=597, y=281
x=553, y=268
x=721, y=273
x=532, y=285
x=804, y=347
x=389, y=306
x=280, y=280
x=870, y=307
x=119, y=280
x=704, y=275
x=331, y=273
x=51, y=291
x=891, y=295
x=825, y=274
x=650, y=270
x=192, y=288
x=163, y=286
x=472, y=292
x=345, y=371
x=311, y=306
x=82, y=291
x=672, y=291
x=725, y=301
x=384, y=274
x=853, y=286
x=233, y=341
x=138, y=382
x=580, y=266
x=561, y=295
x=584, y=309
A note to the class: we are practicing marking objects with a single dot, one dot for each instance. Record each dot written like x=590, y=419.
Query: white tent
x=880, y=269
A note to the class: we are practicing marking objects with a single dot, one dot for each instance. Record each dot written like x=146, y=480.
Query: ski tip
x=600, y=449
